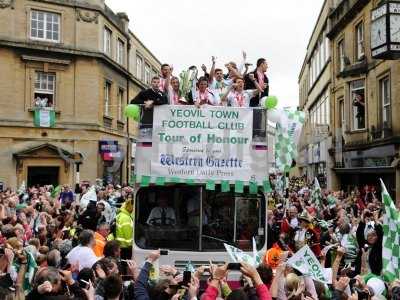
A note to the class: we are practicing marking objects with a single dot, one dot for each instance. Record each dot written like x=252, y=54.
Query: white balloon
x=274, y=115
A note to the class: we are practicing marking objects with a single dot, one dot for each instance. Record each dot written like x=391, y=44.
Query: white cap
x=377, y=285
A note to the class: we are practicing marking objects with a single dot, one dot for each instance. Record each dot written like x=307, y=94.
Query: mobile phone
x=83, y=284
x=234, y=266
x=187, y=277
x=1, y=251
x=174, y=286
x=163, y=252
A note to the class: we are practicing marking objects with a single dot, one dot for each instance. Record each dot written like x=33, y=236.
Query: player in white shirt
x=202, y=95
x=166, y=71
x=174, y=97
x=237, y=96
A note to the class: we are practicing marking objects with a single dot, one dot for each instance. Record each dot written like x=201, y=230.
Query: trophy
x=187, y=79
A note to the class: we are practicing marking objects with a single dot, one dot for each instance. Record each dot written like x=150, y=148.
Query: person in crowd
x=82, y=255
x=124, y=229
x=100, y=237
x=306, y=235
x=369, y=237
x=66, y=196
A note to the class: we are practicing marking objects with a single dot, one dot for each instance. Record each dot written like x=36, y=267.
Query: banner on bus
x=208, y=143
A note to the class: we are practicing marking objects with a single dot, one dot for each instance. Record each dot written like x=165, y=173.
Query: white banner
x=305, y=262
x=210, y=143
x=44, y=118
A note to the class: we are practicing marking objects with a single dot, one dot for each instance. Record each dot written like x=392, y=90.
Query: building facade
x=314, y=95
x=67, y=71
x=366, y=100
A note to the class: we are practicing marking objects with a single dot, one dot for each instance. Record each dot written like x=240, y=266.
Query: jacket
x=375, y=253
x=141, y=284
x=249, y=85
x=100, y=242
x=159, y=98
x=124, y=229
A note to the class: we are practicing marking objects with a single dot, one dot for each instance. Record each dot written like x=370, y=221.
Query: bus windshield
x=189, y=218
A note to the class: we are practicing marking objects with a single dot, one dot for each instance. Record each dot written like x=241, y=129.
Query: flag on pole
x=56, y=191
x=238, y=255
x=22, y=188
x=316, y=195
x=288, y=131
x=391, y=233
x=305, y=262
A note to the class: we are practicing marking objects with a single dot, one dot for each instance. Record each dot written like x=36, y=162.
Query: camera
x=234, y=266
x=39, y=207
x=83, y=284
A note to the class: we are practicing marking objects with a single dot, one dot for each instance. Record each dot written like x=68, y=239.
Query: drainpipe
x=128, y=144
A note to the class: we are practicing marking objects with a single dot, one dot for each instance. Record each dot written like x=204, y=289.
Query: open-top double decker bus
x=201, y=176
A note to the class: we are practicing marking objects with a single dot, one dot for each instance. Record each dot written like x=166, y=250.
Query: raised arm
x=141, y=283
x=212, y=71
x=335, y=267
x=242, y=67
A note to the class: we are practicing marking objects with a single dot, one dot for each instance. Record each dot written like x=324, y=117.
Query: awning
x=372, y=170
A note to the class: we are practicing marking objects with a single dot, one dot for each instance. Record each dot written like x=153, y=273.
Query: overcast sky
x=189, y=32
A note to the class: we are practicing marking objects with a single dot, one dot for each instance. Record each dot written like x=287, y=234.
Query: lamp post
x=78, y=158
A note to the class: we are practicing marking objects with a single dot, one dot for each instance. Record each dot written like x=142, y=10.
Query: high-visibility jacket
x=100, y=242
x=124, y=230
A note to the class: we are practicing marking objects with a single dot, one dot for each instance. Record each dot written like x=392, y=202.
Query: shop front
x=317, y=155
x=366, y=167
x=112, y=156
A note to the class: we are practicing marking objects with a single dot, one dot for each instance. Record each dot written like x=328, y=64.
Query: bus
x=185, y=204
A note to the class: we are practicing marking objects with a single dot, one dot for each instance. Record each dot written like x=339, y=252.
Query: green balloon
x=271, y=102
x=133, y=111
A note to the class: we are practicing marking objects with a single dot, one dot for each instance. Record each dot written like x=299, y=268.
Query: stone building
x=365, y=102
x=314, y=95
x=67, y=70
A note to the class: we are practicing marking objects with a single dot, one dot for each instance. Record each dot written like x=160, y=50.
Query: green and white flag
x=307, y=263
x=332, y=200
x=238, y=255
x=44, y=118
x=288, y=131
x=391, y=233
x=316, y=195
x=22, y=188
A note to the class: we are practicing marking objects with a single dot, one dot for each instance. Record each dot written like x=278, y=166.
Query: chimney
x=124, y=21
